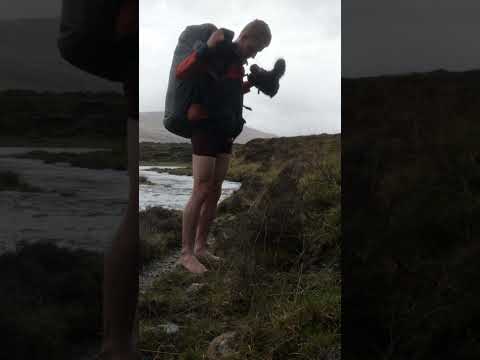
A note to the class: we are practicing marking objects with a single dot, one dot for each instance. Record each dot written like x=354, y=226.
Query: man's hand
x=217, y=37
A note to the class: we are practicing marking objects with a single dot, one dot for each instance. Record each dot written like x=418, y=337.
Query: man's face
x=250, y=46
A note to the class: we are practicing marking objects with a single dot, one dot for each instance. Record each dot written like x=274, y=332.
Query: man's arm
x=194, y=63
x=197, y=61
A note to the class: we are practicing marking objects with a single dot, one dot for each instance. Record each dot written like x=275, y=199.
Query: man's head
x=254, y=37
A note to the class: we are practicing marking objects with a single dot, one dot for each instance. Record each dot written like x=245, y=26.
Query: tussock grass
x=160, y=233
x=279, y=315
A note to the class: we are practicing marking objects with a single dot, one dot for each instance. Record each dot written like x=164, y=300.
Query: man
x=121, y=264
x=215, y=116
x=101, y=38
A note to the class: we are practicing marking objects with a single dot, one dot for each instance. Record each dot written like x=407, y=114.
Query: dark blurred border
x=411, y=180
x=50, y=286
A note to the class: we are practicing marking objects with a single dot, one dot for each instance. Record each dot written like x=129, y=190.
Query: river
x=172, y=191
x=78, y=207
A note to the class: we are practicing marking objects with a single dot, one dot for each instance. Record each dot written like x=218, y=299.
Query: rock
x=223, y=346
x=168, y=328
x=171, y=328
x=195, y=288
x=210, y=240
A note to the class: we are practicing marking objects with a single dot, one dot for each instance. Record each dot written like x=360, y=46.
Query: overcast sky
x=306, y=34
x=389, y=37
x=15, y=9
x=377, y=37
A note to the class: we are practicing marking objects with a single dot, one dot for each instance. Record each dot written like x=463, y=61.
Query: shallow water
x=78, y=207
x=172, y=191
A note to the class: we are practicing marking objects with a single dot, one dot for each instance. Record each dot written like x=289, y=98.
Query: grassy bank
x=282, y=315
x=160, y=233
x=279, y=289
x=160, y=153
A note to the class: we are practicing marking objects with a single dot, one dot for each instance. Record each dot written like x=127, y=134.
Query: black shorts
x=210, y=143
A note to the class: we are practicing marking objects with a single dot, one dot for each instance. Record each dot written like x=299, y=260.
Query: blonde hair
x=258, y=29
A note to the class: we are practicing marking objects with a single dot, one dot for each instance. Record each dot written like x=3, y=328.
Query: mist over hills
x=30, y=60
x=152, y=130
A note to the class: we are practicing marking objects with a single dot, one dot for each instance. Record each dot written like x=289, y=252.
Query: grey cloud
x=381, y=37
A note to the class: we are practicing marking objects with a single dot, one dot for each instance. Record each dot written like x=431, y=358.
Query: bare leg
x=121, y=267
x=203, y=174
x=207, y=214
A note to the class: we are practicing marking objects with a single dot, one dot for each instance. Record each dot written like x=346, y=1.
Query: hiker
x=214, y=113
x=101, y=38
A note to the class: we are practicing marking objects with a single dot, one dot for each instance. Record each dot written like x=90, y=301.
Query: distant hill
x=152, y=130
x=30, y=60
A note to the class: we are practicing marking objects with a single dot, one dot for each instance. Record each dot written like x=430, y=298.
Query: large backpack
x=180, y=92
x=88, y=40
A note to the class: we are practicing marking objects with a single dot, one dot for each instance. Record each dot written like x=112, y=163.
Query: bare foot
x=207, y=256
x=191, y=263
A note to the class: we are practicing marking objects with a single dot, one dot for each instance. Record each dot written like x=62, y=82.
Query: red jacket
x=197, y=63
x=193, y=65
